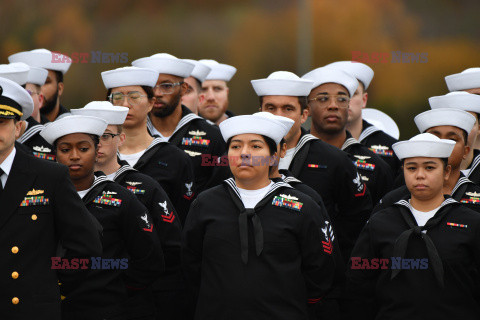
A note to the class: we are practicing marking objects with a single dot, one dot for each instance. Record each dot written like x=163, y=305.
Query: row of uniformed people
x=335, y=135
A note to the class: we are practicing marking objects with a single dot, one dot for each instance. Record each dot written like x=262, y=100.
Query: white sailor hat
x=166, y=64
x=37, y=76
x=200, y=71
x=73, y=124
x=359, y=70
x=467, y=79
x=129, y=76
x=114, y=115
x=14, y=100
x=323, y=75
x=445, y=117
x=458, y=100
x=282, y=83
x=220, y=71
x=263, y=123
x=43, y=58
x=424, y=145
x=17, y=72
x=382, y=121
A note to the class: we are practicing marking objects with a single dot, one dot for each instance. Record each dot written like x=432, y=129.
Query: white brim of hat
x=458, y=99
x=176, y=67
x=463, y=81
x=445, y=117
x=114, y=115
x=73, y=124
x=43, y=58
x=440, y=148
x=282, y=87
x=271, y=128
x=129, y=76
x=387, y=124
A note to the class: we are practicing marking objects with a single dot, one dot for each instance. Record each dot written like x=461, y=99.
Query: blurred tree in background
x=257, y=37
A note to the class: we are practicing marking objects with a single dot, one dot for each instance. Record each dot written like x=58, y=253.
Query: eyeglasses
x=325, y=100
x=108, y=137
x=167, y=88
x=32, y=93
x=133, y=98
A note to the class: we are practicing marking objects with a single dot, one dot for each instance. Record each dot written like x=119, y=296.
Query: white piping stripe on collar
x=124, y=168
x=303, y=140
x=367, y=132
x=155, y=142
x=475, y=164
x=185, y=120
x=98, y=180
x=275, y=186
x=290, y=179
x=30, y=132
x=349, y=142
x=460, y=182
x=407, y=204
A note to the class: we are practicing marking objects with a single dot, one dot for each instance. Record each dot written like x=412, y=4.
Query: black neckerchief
x=246, y=214
x=401, y=242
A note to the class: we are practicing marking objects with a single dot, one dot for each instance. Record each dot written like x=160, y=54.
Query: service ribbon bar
x=34, y=201
x=290, y=204
x=44, y=156
x=135, y=190
x=109, y=201
x=364, y=165
x=195, y=141
x=382, y=152
x=451, y=224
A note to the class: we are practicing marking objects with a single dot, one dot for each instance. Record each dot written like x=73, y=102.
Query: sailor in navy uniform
x=175, y=123
x=57, y=65
x=330, y=303
x=471, y=103
x=30, y=78
x=419, y=258
x=214, y=107
x=446, y=123
x=152, y=196
x=254, y=248
x=129, y=239
x=329, y=104
x=172, y=168
x=40, y=210
x=371, y=136
x=326, y=169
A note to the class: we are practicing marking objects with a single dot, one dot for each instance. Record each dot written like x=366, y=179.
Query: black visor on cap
x=9, y=108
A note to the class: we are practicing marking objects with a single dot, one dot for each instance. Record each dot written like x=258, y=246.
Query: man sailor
x=57, y=65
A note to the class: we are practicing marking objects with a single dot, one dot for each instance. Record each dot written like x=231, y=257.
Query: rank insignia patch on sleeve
x=167, y=216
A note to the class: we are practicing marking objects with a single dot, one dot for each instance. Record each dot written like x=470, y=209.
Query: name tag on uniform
x=287, y=202
x=108, y=200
